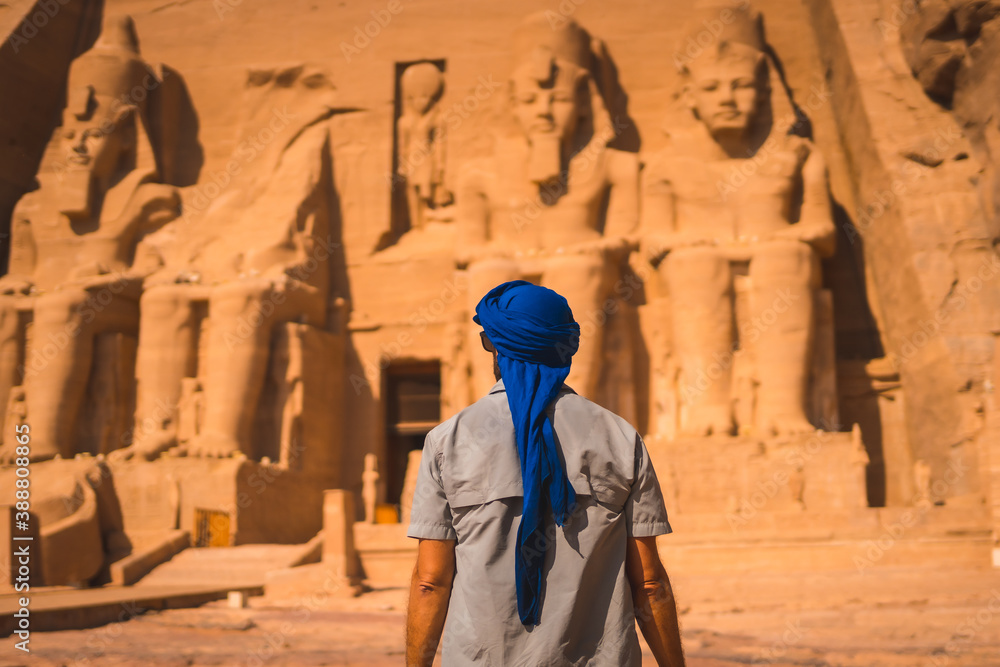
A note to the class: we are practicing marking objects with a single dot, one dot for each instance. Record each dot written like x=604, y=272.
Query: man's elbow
x=430, y=582
x=654, y=588
x=432, y=586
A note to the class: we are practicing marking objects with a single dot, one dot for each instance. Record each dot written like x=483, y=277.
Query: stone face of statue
x=419, y=102
x=89, y=128
x=93, y=142
x=101, y=121
x=726, y=94
x=422, y=85
x=547, y=101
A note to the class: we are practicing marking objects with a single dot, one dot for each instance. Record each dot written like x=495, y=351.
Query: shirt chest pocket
x=610, y=497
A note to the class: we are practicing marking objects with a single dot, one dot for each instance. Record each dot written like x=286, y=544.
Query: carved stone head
x=422, y=85
x=104, y=115
x=549, y=96
x=726, y=82
x=552, y=92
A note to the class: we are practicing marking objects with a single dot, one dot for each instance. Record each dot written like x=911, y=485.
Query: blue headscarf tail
x=535, y=335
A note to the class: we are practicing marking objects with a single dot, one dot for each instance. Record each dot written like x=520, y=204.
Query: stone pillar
x=339, y=555
x=409, y=485
x=339, y=572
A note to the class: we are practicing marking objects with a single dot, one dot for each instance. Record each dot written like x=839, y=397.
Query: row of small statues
x=104, y=245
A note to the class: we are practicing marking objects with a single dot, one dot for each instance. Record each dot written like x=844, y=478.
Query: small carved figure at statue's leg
x=168, y=335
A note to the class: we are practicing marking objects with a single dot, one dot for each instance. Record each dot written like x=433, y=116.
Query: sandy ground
x=904, y=618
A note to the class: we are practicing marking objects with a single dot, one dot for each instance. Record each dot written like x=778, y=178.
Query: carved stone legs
x=235, y=366
x=242, y=318
x=701, y=294
x=784, y=276
x=584, y=280
x=168, y=338
x=63, y=333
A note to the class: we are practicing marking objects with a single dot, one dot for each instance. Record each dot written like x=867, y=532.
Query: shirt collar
x=498, y=387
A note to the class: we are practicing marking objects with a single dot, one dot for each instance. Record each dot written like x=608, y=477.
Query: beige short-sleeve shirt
x=469, y=489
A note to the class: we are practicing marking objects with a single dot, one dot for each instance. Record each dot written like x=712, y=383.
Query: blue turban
x=533, y=331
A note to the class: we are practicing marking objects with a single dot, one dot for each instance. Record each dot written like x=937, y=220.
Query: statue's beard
x=545, y=158
x=76, y=191
x=734, y=138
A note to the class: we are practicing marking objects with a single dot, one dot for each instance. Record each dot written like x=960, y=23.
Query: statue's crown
x=725, y=29
x=113, y=67
x=565, y=40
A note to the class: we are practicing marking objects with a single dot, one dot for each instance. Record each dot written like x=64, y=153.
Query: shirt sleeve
x=430, y=514
x=644, y=508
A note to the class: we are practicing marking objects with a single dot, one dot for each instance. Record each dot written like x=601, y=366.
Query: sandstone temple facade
x=242, y=243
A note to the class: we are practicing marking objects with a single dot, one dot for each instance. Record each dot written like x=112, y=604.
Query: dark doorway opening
x=413, y=407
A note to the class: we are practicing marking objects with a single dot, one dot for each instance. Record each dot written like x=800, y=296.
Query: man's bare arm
x=655, y=609
x=430, y=590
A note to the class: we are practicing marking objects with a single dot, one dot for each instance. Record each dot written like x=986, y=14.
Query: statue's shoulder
x=671, y=163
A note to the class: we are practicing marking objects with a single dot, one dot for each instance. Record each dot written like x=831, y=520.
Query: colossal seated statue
x=709, y=233
x=100, y=192
x=554, y=202
x=249, y=256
